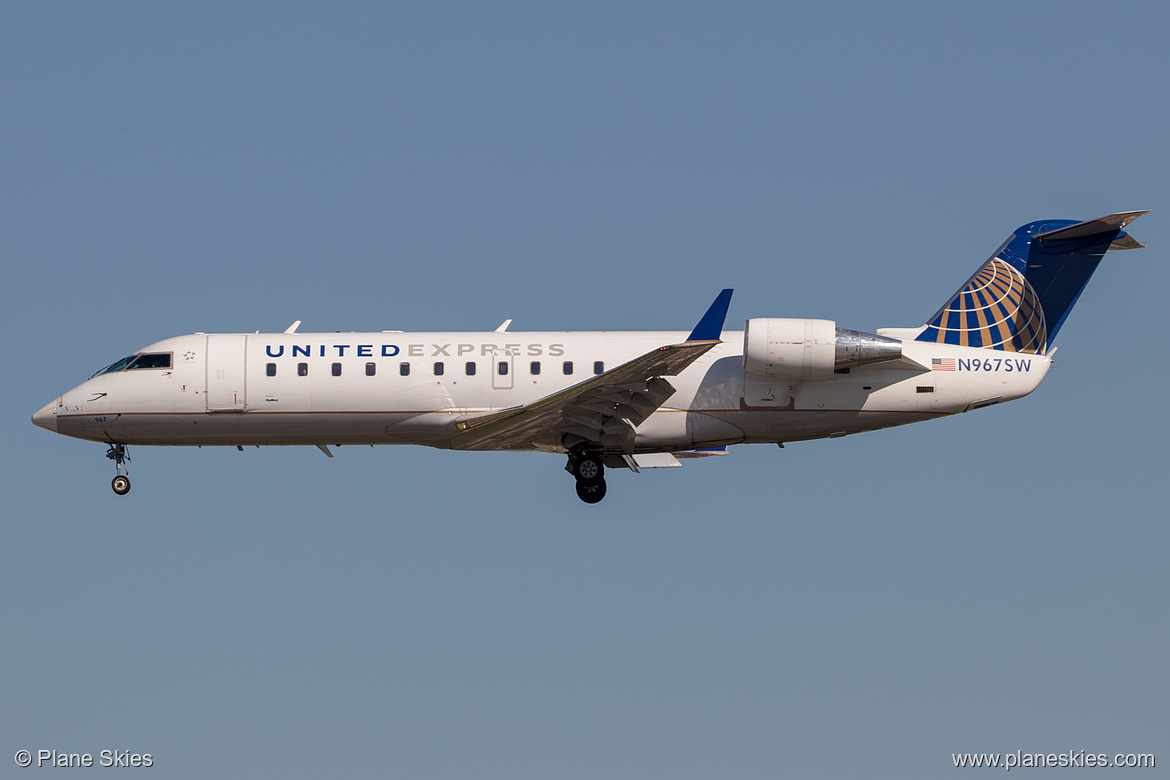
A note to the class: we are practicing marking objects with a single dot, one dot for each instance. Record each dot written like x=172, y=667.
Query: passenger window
x=270, y=369
x=302, y=369
x=371, y=369
x=598, y=367
x=534, y=367
x=404, y=369
x=568, y=367
x=502, y=368
x=336, y=369
x=471, y=369
x=439, y=368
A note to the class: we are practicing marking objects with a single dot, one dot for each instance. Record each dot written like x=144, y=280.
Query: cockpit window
x=152, y=360
x=121, y=364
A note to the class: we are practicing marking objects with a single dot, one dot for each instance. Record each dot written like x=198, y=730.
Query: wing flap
x=655, y=460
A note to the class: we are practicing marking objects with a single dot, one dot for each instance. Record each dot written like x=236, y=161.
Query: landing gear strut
x=119, y=453
x=589, y=472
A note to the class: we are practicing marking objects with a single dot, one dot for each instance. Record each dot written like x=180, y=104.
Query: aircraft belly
x=782, y=425
x=433, y=429
x=264, y=428
x=119, y=427
x=678, y=429
x=666, y=429
x=708, y=428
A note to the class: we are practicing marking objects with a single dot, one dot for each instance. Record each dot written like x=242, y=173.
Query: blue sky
x=986, y=583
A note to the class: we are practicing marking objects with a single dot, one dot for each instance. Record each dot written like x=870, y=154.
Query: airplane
x=605, y=400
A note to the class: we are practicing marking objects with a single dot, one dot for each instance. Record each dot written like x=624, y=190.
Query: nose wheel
x=589, y=472
x=591, y=493
x=119, y=453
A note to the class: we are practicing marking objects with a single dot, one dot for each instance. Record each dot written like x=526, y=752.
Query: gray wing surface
x=603, y=410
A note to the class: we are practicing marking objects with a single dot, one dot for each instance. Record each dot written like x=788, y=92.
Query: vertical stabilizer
x=1018, y=300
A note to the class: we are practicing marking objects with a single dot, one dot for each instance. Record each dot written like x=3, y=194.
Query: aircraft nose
x=46, y=417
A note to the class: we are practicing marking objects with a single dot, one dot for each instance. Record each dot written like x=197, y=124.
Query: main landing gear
x=589, y=472
x=120, y=454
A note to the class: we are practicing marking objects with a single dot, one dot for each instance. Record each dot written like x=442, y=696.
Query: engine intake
x=810, y=348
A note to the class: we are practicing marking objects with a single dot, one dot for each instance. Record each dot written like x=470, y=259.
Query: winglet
x=710, y=328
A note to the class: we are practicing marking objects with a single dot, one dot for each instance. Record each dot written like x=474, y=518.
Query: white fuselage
x=412, y=388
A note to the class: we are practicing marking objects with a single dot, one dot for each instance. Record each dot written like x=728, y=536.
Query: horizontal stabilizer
x=1127, y=242
x=1108, y=224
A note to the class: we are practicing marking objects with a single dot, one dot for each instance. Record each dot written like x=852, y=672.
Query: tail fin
x=1018, y=300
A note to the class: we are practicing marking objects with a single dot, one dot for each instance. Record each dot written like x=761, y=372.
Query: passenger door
x=226, y=374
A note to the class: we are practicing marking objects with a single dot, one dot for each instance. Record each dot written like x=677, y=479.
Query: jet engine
x=796, y=348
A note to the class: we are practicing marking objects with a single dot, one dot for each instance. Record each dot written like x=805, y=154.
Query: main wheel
x=591, y=492
x=588, y=469
x=121, y=485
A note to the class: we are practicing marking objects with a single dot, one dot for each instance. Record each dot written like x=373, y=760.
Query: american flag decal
x=942, y=364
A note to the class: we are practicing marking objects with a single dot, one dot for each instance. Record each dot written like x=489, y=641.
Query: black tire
x=591, y=492
x=588, y=469
x=121, y=485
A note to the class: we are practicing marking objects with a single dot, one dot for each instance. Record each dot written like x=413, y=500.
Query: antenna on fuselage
x=503, y=326
x=293, y=328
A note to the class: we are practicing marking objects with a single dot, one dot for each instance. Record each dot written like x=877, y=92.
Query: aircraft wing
x=602, y=410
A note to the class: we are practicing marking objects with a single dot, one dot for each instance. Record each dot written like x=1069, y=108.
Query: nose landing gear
x=589, y=472
x=591, y=493
x=119, y=453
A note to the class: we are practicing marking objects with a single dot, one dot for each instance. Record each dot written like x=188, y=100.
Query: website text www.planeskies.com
x=1069, y=759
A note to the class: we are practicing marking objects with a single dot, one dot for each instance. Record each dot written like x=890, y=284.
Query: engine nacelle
x=789, y=347
x=802, y=349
